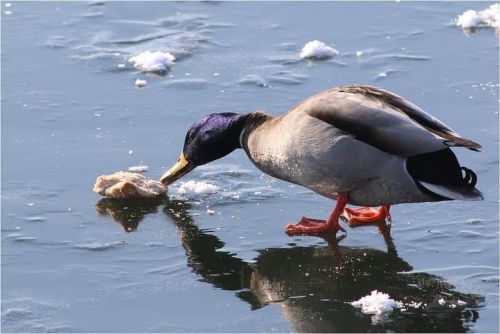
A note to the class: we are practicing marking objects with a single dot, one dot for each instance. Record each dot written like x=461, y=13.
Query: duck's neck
x=237, y=128
x=251, y=122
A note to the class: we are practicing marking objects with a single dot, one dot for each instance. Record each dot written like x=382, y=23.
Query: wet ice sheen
x=100, y=246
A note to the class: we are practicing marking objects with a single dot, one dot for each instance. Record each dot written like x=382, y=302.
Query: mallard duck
x=357, y=144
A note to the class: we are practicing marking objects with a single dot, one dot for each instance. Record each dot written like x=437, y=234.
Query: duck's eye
x=190, y=136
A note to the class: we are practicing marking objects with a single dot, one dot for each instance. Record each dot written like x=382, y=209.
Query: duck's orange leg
x=308, y=226
x=363, y=216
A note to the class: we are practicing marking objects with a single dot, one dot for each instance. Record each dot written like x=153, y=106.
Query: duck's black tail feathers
x=439, y=174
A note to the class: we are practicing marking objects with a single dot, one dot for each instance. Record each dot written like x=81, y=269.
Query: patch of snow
x=140, y=83
x=197, y=187
x=414, y=304
x=489, y=17
x=469, y=19
x=157, y=61
x=376, y=303
x=317, y=50
x=138, y=169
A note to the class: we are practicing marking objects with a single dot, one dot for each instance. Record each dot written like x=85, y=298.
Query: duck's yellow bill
x=181, y=168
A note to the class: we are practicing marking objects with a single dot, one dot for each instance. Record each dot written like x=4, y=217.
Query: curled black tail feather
x=442, y=168
x=470, y=178
x=439, y=175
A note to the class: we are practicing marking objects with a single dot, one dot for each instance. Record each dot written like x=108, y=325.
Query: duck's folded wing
x=383, y=119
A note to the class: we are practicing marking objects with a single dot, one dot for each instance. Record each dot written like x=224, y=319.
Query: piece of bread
x=128, y=185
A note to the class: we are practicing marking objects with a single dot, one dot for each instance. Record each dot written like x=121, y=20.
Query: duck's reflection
x=314, y=285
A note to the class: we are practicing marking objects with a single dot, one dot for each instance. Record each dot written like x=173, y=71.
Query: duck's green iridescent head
x=209, y=139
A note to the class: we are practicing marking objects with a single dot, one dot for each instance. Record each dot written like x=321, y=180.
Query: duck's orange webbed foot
x=363, y=216
x=308, y=226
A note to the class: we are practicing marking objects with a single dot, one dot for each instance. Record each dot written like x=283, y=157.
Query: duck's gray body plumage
x=354, y=140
